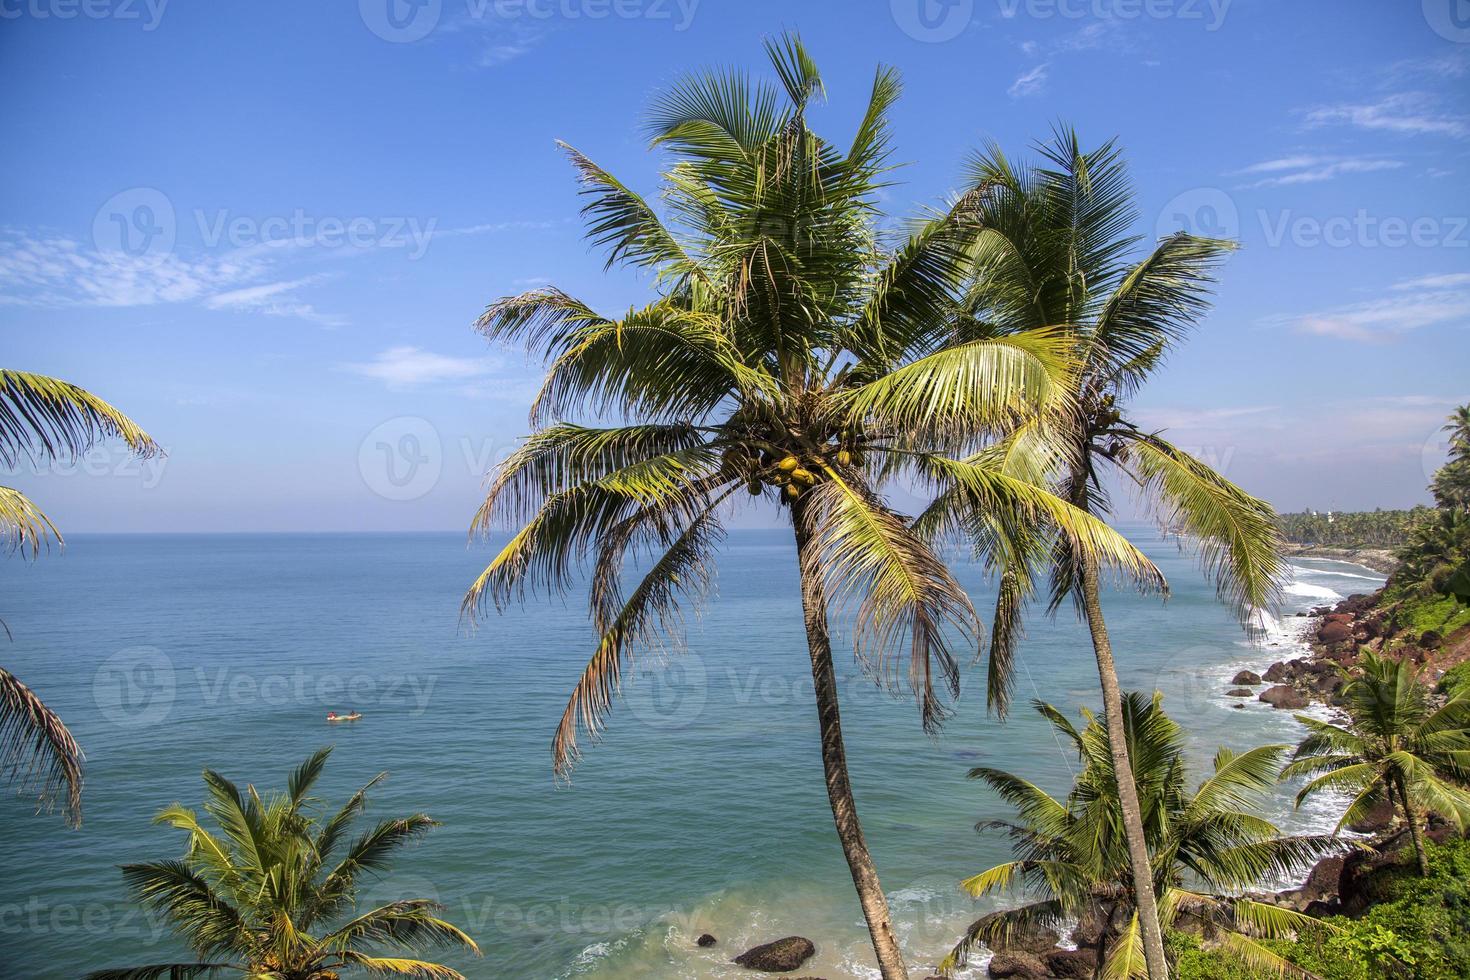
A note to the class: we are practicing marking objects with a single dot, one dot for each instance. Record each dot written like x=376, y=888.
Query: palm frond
x=38, y=755
x=46, y=418
x=23, y=527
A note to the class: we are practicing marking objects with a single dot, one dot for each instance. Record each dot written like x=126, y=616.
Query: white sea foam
x=1309, y=591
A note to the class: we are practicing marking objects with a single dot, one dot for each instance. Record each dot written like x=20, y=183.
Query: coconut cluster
x=790, y=473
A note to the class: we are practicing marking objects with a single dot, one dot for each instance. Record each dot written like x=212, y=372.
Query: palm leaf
x=38, y=755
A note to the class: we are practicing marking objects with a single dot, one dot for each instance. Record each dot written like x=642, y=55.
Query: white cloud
x=1200, y=418
x=1029, y=83
x=1411, y=113
x=1447, y=281
x=1436, y=301
x=273, y=299
x=410, y=367
x=1286, y=171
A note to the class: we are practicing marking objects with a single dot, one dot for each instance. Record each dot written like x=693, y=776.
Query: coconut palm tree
x=1396, y=748
x=1458, y=427
x=44, y=420
x=790, y=356
x=1072, y=854
x=1054, y=253
x=264, y=895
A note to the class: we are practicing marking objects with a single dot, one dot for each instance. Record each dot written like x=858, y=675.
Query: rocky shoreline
x=1381, y=560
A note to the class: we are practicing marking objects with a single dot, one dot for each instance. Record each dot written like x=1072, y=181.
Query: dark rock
x=1247, y=677
x=1322, y=884
x=1322, y=910
x=1283, y=696
x=1238, y=706
x=1430, y=639
x=1335, y=633
x=1277, y=673
x=1071, y=963
x=780, y=956
x=1337, y=617
x=1031, y=938
x=1240, y=692
x=1022, y=966
x=705, y=940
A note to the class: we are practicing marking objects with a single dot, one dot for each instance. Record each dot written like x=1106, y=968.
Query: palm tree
x=790, y=357
x=1396, y=749
x=260, y=894
x=1458, y=427
x=1054, y=253
x=1072, y=853
x=43, y=420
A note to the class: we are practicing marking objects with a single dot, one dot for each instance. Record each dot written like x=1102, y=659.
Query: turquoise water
x=702, y=809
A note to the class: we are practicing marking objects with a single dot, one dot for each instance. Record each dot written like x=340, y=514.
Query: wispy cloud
x=1286, y=171
x=1435, y=301
x=1029, y=83
x=274, y=299
x=1410, y=113
x=412, y=367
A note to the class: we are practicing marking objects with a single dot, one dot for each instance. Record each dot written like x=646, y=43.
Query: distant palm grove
x=793, y=355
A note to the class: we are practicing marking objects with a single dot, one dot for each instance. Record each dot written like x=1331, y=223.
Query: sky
x=264, y=229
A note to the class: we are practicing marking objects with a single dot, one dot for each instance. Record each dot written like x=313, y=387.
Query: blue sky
x=264, y=229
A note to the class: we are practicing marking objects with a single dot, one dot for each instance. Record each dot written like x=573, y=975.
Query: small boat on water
x=333, y=717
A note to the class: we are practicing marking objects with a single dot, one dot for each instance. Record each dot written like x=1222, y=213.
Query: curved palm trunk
x=1412, y=819
x=834, y=762
x=1143, y=886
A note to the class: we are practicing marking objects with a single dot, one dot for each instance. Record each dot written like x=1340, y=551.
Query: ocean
x=701, y=810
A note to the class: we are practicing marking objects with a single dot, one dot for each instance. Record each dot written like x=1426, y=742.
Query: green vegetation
x=1420, y=930
x=1055, y=251
x=1072, y=854
x=790, y=354
x=44, y=420
x=259, y=895
x=1376, y=529
x=1396, y=748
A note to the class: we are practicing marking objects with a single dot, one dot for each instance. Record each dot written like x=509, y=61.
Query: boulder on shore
x=1284, y=696
x=778, y=957
x=1323, y=882
x=1017, y=966
x=1072, y=963
x=1247, y=677
x=1278, y=672
x=705, y=940
x=1335, y=633
x=1240, y=692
